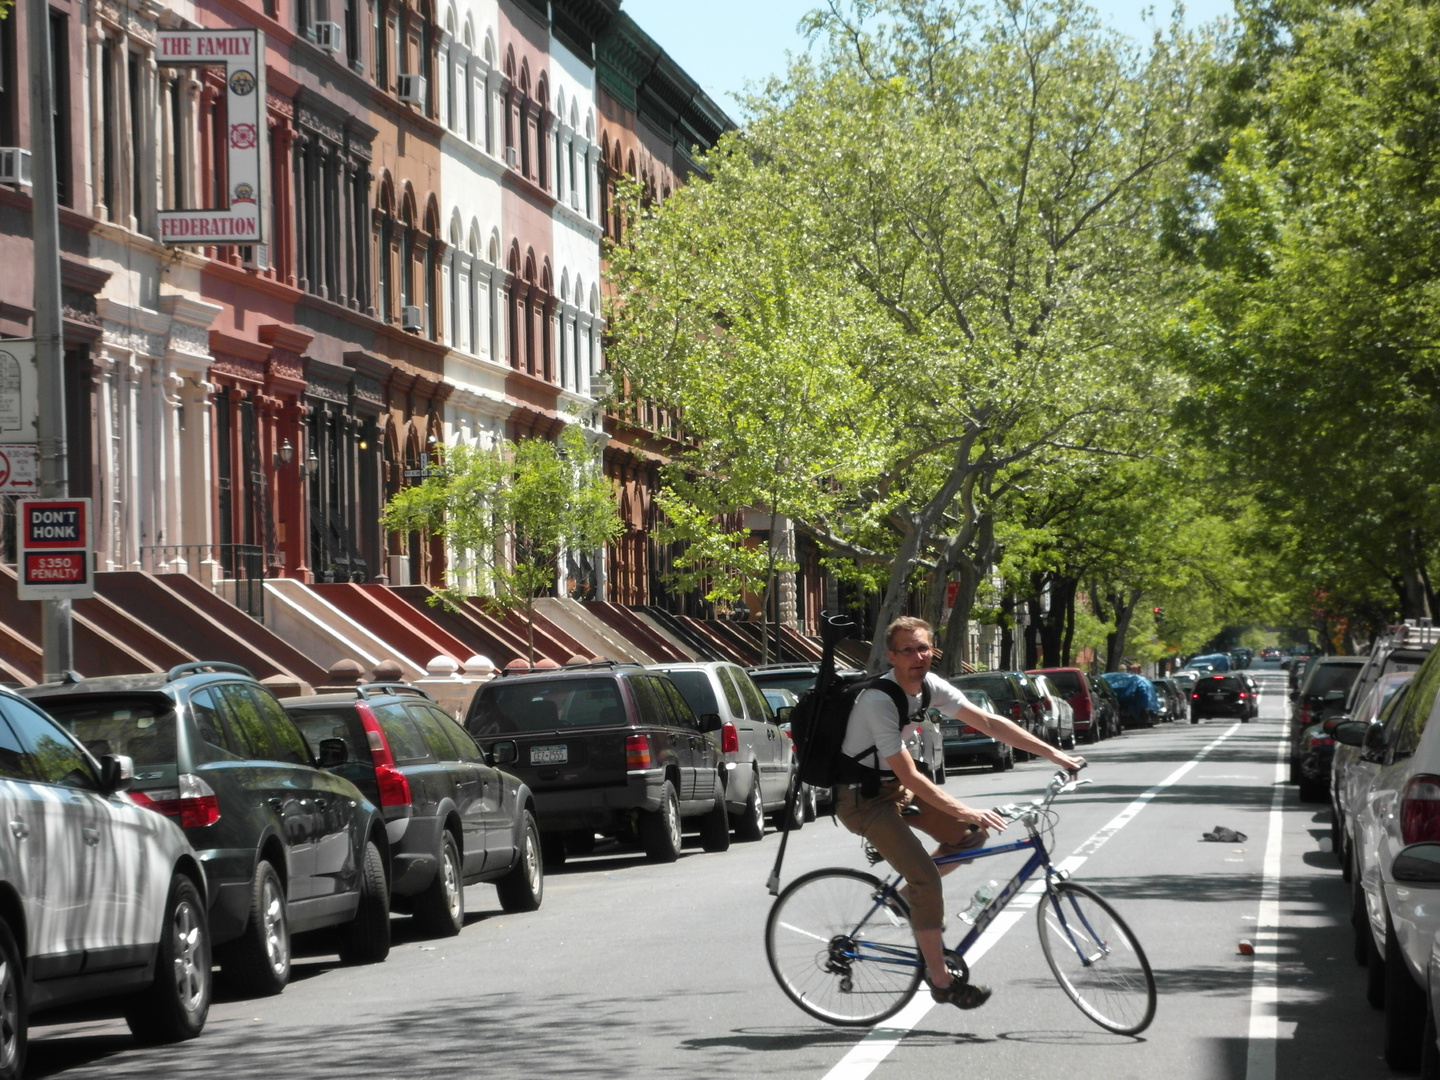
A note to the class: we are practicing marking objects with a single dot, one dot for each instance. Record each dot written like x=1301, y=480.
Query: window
x=648, y=710
x=215, y=728
x=50, y=755
x=12, y=754
x=684, y=715
x=60, y=103
x=547, y=706
x=464, y=745
x=249, y=725
x=9, y=89
x=732, y=692
x=406, y=744
x=695, y=687
x=436, y=741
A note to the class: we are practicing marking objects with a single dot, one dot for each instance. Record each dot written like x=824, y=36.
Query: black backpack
x=818, y=727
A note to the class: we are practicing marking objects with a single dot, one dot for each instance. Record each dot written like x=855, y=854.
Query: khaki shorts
x=878, y=820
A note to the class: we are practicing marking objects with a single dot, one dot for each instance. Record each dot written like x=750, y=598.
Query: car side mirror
x=710, y=721
x=1418, y=864
x=333, y=752
x=1350, y=732
x=1375, y=738
x=504, y=753
x=783, y=714
x=117, y=773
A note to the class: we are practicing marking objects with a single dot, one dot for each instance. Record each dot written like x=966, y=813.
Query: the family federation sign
x=54, y=549
x=242, y=54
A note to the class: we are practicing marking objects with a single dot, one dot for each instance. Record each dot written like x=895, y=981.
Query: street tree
x=507, y=514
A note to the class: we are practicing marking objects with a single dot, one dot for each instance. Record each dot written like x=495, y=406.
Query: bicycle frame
x=870, y=952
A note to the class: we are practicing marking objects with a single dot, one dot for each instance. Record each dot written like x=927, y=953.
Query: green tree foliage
x=508, y=513
x=1312, y=339
x=932, y=252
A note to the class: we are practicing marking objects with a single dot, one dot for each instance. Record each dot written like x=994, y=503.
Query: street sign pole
x=55, y=630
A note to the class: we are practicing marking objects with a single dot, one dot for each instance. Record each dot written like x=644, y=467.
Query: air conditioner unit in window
x=512, y=156
x=329, y=36
x=410, y=319
x=255, y=256
x=14, y=166
x=411, y=89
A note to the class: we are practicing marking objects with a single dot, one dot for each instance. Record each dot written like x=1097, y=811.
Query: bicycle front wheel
x=1096, y=958
x=837, y=953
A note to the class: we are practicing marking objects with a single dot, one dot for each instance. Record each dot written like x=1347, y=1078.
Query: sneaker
x=962, y=995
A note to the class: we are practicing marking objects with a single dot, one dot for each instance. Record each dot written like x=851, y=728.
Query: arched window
x=493, y=309
x=385, y=278
x=525, y=122
x=456, y=287
x=542, y=132
x=514, y=339
x=543, y=310
x=527, y=314
x=433, y=248
x=407, y=249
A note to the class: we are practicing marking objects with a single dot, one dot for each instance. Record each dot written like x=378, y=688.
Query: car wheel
x=750, y=825
x=258, y=962
x=1001, y=762
x=660, y=829
x=1374, y=972
x=1347, y=865
x=440, y=909
x=175, y=1005
x=552, y=849
x=523, y=887
x=940, y=773
x=14, y=1028
x=1009, y=758
x=1404, y=1010
x=365, y=939
x=1430, y=1047
x=1092, y=734
x=715, y=825
x=797, y=812
x=812, y=803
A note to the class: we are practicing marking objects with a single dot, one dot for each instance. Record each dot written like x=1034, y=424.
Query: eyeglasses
x=915, y=650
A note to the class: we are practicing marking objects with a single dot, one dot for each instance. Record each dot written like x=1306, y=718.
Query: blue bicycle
x=840, y=945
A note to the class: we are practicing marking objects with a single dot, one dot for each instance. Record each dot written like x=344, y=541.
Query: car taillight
x=1017, y=711
x=1195, y=697
x=1321, y=740
x=192, y=802
x=1420, y=810
x=637, y=751
x=394, y=788
x=966, y=729
x=1241, y=694
x=729, y=739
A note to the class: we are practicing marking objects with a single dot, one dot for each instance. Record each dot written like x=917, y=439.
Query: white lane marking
x=870, y=1051
x=1264, y=991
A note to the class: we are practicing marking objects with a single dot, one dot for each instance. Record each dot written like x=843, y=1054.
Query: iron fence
x=235, y=571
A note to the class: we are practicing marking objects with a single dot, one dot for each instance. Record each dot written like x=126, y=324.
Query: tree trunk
x=1067, y=643
x=1032, y=632
x=1123, y=603
x=1007, y=633
x=1414, y=595
x=957, y=629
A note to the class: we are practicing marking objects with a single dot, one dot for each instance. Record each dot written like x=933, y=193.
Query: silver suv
x=100, y=897
x=757, y=757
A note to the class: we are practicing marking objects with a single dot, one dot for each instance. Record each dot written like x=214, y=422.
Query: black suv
x=1012, y=695
x=453, y=818
x=286, y=846
x=606, y=748
x=1230, y=695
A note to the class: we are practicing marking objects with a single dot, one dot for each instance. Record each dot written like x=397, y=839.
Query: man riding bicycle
x=872, y=808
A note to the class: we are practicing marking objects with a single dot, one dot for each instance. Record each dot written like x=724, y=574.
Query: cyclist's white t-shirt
x=874, y=722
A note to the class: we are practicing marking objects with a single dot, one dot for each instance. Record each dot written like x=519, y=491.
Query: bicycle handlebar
x=1062, y=782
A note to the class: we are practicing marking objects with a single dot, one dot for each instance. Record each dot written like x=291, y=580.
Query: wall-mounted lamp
x=285, y=455
x=312, y=464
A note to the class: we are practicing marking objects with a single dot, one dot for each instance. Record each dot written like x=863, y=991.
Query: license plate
x=549, y=755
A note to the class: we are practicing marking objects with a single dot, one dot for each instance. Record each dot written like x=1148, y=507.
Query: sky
x=723, y=44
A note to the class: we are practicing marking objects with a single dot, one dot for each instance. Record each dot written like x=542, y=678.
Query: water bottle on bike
x=983, y=895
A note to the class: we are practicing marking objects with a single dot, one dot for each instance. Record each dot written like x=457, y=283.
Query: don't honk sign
x=242, y=54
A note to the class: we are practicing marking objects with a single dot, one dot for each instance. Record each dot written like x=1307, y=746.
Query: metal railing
x=235, y=571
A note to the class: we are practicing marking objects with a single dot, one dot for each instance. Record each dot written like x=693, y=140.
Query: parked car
x=797, y=678
x=1322, y=695
x=606, y=748
x=1397, y=833
x=1177, y=700
x=1059, y=716
x=782, y=702
x=1227, y=696
x=1353, y=768
x=780, y=698
x=103, y=898
x=758, y=758
x=461, y=820
x=1138, y=701
x=1008, y=694
x=1110, y=709
x=286, y=846
x=926, y=743
x=965, y=745
x=1078, y=689
x=1214, y=661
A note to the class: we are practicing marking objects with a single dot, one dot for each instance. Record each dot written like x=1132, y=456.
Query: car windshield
x=1328, y=677
x=996, y=686
x=1067, y=682
x=507, y=708
x=695, y=687
x=142, y=728
x=797, y=682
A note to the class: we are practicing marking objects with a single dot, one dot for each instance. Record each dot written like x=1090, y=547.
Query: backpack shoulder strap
x=899, y=697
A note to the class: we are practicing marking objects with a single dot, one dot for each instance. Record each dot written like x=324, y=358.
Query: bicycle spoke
x=836, y=953
x=1096, y=959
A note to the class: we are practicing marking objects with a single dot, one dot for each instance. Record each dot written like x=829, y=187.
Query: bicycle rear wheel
x=1096, y=958
x=838, y=955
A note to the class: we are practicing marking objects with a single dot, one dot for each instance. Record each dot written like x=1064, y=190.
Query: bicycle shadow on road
x=790, y=1039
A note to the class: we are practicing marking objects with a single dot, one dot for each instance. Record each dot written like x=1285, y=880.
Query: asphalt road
x=633, y=970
